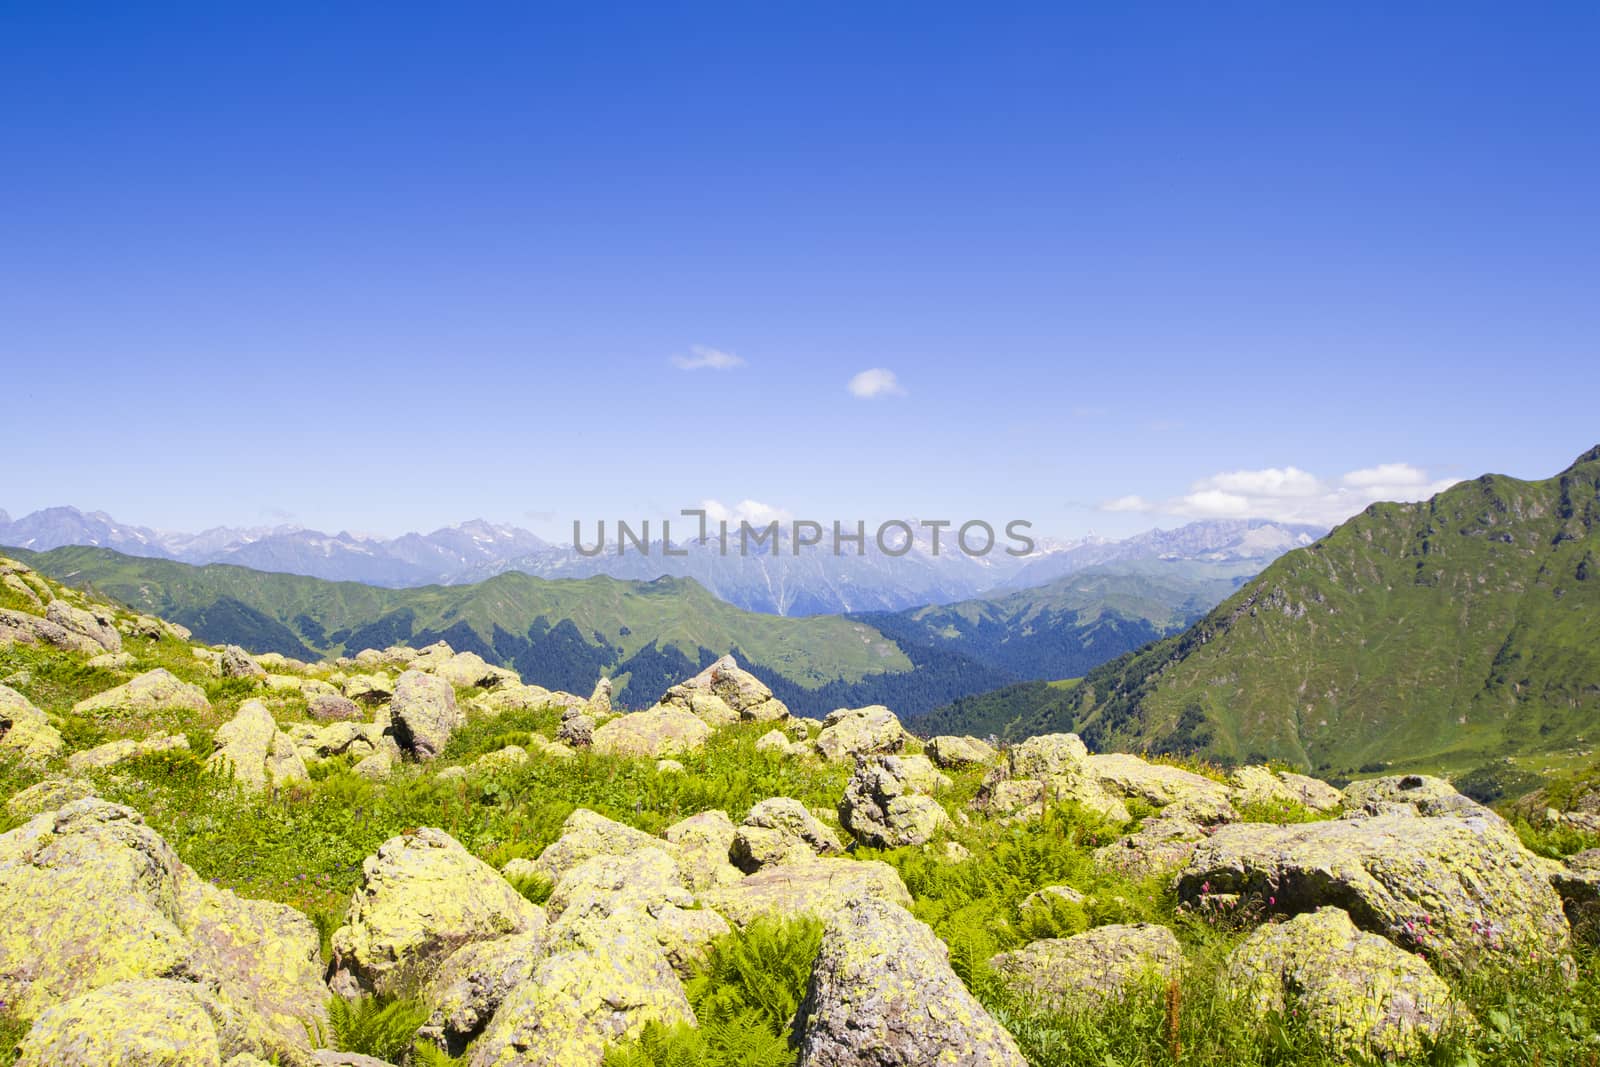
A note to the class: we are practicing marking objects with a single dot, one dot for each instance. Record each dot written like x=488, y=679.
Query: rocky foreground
x=1360, y=907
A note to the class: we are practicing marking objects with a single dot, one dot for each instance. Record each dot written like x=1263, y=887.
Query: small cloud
x=1385, y=474
x=702, y=357
x=752, y=511
x=1127, y=503
x=875, y=382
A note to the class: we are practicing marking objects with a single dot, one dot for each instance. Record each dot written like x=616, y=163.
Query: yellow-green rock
x=813, y=890
x=25, y=732
x=471, y=984
x=1460, y=889
x=662, y=731
x=1091, y=969
x=1357, y=991
x=780, y=830
x=882, y=993
x=252, y=748
x=149, y=1023
x=157, y=690
x=851, y=732
x=421, y=898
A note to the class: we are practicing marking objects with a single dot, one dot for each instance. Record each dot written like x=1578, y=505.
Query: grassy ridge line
x=1452, y=631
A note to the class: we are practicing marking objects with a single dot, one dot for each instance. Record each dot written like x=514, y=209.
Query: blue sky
x=388, y=266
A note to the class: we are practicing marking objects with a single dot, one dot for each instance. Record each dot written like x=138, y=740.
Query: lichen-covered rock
x=661, y=731
x=471, y=984
x=52, y=794
x=1160, y=845
x=600, y=699
x=1046, y=771
x=424, y=713
x=465, y=670
x=851, y=732
x=331, y=707
x=605, y=988
x=1087, y=971
x=267, y=956
x=97, y=623
x=586, y=833
x=780, y=830
x=1461, y=889
x=237, y=663
x=957, y=753
x=725, y=693
x=703, y=843
x=886, y=804
x=796, y=890
x=538, y=744
x=1578, y=883
x=882, y=993
x=92, y=897
x=368, y=689
x=111, y=661
x=421, y=898
x=157, y=690
x=144, y=1023
x=1263, y=785
x=255, y=751
x=114, y=752
x=1357, y=991
x=773, y=741
x=1419, y=794
x=576, y=729
x=1048, y=897
x=1130, y=778
x=25, y=732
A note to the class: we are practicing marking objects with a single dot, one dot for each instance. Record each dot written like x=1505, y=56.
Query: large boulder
x=882, y=993
x=51, y=794
x=600, y=699
x=237, y=663
x=1046, y=771
x=1089, y=970
x=424, y=713
x=604, y=985
x=1416, y=794
x=886, y=804
x=1161, y=845
x=1162, y=786
x=958, y=753
x=780, y=830
x=1254, y=785
x=93, y=897
x=142, y=1023
x=421, y=898
x=1578, y=883
x=25, y=732
x=805, y=890
x=1357, y=991
x=114, y=752
x=157, y=690
x=96, y=623
x=471, y=984
x=252, y=748
x=703, y=843
x=848, y=733
x=586, y=833
x=661, y=731
x=466, y=670
x=1460, y=889
x=725, y=692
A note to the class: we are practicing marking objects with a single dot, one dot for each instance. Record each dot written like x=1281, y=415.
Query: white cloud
x=752, y=511
x=1289, y=494
x=876, y=382
x=702, y=357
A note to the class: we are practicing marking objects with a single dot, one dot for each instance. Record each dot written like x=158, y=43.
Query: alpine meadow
x=754, y=536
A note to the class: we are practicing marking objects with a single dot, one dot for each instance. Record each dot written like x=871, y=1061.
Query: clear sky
x=388, y=266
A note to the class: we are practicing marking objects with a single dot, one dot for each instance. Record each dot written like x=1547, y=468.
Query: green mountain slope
x=560, y=633
x=1460, y=629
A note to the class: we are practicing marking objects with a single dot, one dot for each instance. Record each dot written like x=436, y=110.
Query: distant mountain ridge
x=1456, y=631
x=563, y=633
x=772, y=580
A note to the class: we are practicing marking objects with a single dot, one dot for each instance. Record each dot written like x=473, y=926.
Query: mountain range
x=563, y=633
x=1449, y=633
x=774, y=580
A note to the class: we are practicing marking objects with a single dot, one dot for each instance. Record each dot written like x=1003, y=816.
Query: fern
x=382, y=1027
x=535, y=887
